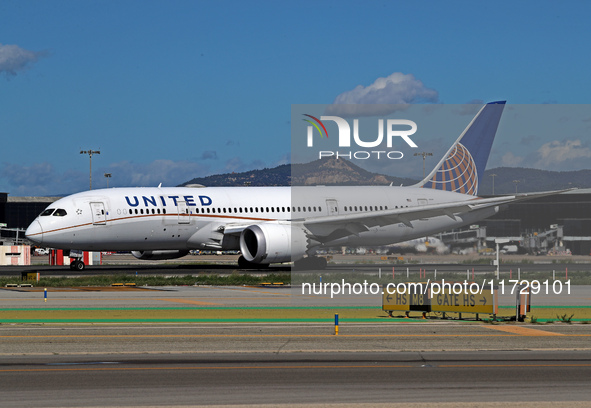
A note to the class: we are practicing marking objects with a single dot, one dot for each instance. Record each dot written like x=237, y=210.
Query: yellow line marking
x=191, y=302
x=523, y=331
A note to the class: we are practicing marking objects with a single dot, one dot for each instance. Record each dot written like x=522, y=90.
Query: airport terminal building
x=539, y=223
x=17, y=213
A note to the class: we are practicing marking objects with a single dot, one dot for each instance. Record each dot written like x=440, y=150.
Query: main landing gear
x=77, y=265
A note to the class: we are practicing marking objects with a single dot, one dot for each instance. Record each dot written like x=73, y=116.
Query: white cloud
x=510, y=160
x=209, y=155
x=167, y=172
x=236, y=164
x=284, y=159
x=43, y=179
x=40, y=179
x=14, y=58
x=559, y=152
x=377, y=99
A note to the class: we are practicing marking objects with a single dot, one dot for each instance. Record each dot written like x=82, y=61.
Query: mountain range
x=342, y=172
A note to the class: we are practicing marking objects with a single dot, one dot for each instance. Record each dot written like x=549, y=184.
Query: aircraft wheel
x=79, y=266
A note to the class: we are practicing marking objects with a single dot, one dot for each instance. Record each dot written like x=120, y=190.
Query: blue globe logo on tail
x=460, y=169
x=457, y=173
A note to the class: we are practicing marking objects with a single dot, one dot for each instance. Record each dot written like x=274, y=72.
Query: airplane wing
x=327, y=228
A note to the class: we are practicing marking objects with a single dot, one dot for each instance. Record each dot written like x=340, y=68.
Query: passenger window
x=47, y=212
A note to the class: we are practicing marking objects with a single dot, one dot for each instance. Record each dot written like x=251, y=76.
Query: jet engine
x=159, y=255
x=268, y=243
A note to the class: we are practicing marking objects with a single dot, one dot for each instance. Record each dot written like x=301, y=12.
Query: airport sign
x=440, y=297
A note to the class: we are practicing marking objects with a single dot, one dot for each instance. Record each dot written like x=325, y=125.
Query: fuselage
x=180, y=218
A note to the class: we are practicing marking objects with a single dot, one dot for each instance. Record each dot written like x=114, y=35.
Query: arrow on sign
x=388, y=298
x=483, y=301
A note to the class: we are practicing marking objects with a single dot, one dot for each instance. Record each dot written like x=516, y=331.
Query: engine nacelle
x=268, y=243
x=159, y=255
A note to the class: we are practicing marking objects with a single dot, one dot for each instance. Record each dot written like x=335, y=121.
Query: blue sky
x=173, y=90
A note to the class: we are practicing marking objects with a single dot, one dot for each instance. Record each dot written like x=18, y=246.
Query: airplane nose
x=35, y=232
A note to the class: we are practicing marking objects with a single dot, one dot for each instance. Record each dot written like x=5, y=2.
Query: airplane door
x=422, y=201
x=183, y=211
x=99, y=216
x=333, y=207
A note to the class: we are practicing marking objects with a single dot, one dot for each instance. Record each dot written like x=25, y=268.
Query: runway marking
x=283, y=367
x=523, y=331
x=191, y=302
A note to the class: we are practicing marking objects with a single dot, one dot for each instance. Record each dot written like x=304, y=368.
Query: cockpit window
x=59, y=213
x=47, y=212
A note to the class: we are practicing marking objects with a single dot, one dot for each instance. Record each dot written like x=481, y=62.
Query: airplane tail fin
x=462, y=167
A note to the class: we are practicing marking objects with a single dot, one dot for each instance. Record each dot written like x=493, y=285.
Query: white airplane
x=277, y=224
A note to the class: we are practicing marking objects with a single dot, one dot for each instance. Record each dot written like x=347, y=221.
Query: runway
x=309, y=379
x=232, y=346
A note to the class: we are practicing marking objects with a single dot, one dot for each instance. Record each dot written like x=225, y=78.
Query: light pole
x=516, y=182
x=493, y=176
x=107, y=176
x=424, y=154
x=90, y=153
